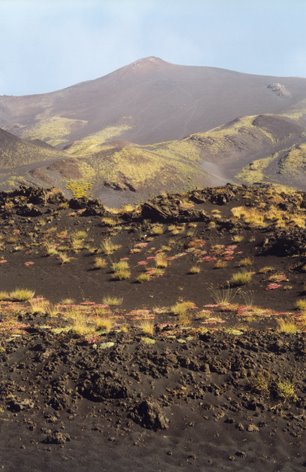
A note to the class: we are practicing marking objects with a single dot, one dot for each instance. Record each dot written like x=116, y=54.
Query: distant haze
x=50, y=44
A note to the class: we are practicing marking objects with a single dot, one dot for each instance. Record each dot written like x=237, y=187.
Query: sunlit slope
x=249, y=149
x=149, y=101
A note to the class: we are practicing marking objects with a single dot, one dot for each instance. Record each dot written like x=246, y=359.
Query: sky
x=47, y=45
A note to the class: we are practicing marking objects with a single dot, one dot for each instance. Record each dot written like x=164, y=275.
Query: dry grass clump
x=108, y=247
x=156, y=272
x=287, y=327
x=106, y=324
x=266, y=269
x=220, y=264
x=183, y=311
x=157, y=229
x=21, y=295
x=301, y=304
x=194, y=270
x=176, y=229
x=182, y=307
x=64, y=258
x=77, y=240
x=161, y=260
x=112, y=301
x=85, y=325
x=39, y=305
x=260, y=383
x=67, y=301
x=100, y=263
x=109, y=221
x=4, y=296
x=143, y=277
x=285, y=390
x=251, y=216
x=121, y=270
x=147, y=327
x=224, y=296
x=237, y=238
x=51, y=249
x=246, y=262
x=241, y=278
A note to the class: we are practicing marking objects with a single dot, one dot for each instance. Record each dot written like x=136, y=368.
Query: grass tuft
x=241, y=278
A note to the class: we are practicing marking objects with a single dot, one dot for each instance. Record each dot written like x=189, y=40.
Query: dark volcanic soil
x=195, y=402
x=219, y=387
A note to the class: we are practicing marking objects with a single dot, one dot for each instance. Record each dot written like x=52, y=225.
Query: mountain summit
x=148, y=101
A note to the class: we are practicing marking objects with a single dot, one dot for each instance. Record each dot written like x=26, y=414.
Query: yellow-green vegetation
x=108, y=247
x=147, y=327
x=156, y=272
x=161, y=260
x=78, y=240
x=64, y=258
x=4, y=296
x=100, y=263
x=241, y=278
x=147, y=340
x=294, y=163
x=157, y=229
x=285, y=390
x=85, y=325
x=79, y=188
x=95, y=142
x=143, y=277
x=183, y=310
x=121, y=270
x=20, y=152
x=287, y=327
x=246, y=262
x=254, y=172
x=14, y=181
x=260, y=383
x=223, y=137
x=113, y=301
x=51, y=249
x=39, y=305
x=136, y=166
x=67, y=301
x=53, y=130
x=251, y=216
x=21, y=295
x=223, y=296
x=301, y=304
x=237, y=238
x=267, y=215
x=220, y=264
x=194, y=269
x=82, y=187
x=266, y=270
x=79, y=323
x=109, y=221
x=106, y=324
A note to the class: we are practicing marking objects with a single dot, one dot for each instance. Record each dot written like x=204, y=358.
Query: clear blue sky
x=50, y=44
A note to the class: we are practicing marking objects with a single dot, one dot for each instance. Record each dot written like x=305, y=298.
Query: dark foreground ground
x=187, y=402
x=187, y=370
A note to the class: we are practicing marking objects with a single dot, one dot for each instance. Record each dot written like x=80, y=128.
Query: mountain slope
x=250, y=149
x=148, y=101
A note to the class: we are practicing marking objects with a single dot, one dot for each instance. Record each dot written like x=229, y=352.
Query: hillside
x=148, y=101
x=251, y=149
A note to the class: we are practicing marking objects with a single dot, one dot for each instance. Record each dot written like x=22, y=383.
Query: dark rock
x=57, y=437
x=150, y=415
